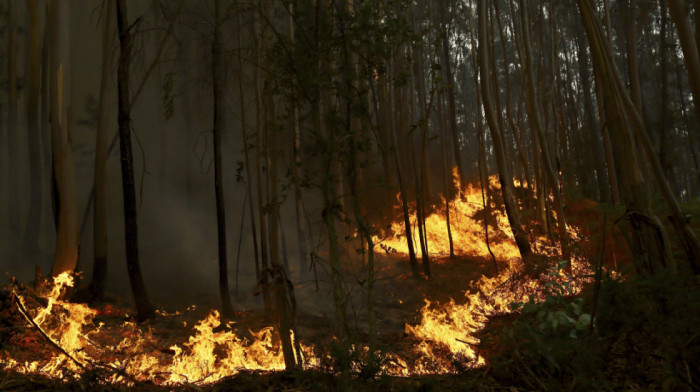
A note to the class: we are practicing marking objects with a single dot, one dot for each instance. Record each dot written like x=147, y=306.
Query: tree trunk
x=66, y=256
x=217, y=92
x=681, y=18
x=144, y=308
x=263, y=278
x=536, y=122
x=246, y=148
x=487, y=100
x=34, y=139
x=451, y=98
x=12, y=164
x=648, y=242
x=100, y=217
x=302, y=237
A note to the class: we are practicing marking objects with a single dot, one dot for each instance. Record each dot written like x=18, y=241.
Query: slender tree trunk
x=246, y=148
x=99, y=271
x=302, y=237
x=451, y=96
x=66, y=255
x=144, y=308
x=596, y=158
x=536, y=122
x=263, y=278
x=217, y=92
x=12, y=165
x=681, y=18
x=34, y=138
x=649, y=243
x=446, y=172
x=487, y=100
x=665, y=125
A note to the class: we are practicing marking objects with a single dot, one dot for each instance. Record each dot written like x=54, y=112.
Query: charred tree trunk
x=144, y=308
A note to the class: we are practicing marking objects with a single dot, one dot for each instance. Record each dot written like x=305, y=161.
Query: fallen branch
x=43, y=333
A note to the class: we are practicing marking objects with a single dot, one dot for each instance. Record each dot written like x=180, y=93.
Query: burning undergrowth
x=64, y=340
x=80, y=338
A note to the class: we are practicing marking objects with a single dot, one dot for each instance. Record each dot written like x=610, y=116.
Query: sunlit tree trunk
x=487, y=100
x=144, y=308
x=99, y=270
x=66, y=255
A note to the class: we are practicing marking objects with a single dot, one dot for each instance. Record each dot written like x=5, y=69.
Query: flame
x=206, y=357
x=452, y=326
x=446, y=331
x=467, y=232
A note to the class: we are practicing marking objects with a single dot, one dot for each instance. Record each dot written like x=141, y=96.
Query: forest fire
x=209, y=355
x=452, y=325
x=446, y=331
x=467, y=227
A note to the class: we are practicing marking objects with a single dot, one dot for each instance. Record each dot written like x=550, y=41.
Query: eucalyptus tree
x=67, y=241
x=144, y=308
x=34, y=137
x=504, y=174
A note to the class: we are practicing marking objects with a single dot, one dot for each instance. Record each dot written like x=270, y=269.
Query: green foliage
x=644, y=335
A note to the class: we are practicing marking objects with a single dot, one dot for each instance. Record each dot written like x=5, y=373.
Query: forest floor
x=646, y=335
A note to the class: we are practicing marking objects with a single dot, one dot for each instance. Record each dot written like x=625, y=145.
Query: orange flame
x=207, y=356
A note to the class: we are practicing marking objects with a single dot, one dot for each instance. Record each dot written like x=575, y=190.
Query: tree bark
x=534, y=113
x=34, y=138
x=505, y=177
x=217, y=92
x=12, y=165
x=100, y=217
x=144, y=308
x=681, y=18
x=66, y=255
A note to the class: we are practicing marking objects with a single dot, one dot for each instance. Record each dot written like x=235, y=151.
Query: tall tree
x=12, y=196
x=649, y=243
x=534, y=116
x=66, y=255
x=217, y=92
x=680, y=13
x=504, y=175
x=144, y=308
x=100, y=215
x=34, y=138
